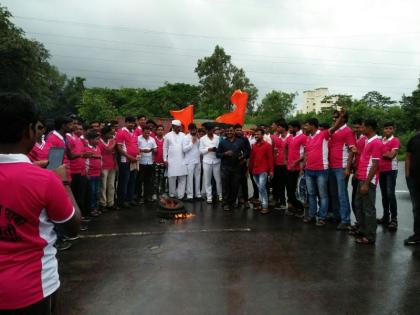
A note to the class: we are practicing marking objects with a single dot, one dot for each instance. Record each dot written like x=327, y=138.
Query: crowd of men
x=214, y=163
x=301, y=168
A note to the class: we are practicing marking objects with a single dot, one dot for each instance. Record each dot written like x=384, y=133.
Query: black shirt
x=238, y=147
x=413, y=147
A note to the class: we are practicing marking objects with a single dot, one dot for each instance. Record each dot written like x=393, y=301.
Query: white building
x=313, y=100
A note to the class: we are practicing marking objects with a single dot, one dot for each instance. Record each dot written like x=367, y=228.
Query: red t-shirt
x=386, y=165
x=108, y=157
x=35, y=199
x=93, y=165
x=372, y=151
x=280, y=144
x=317, y=151
x=261, y=160
x=340, y=142
x=360, y=145
x=158, y=156
x=295, y=150
x=76, y=146
x=39, y=152
x=138, y=131
x=128, y=140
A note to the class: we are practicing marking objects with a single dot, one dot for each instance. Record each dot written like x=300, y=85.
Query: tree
x=95, y=106
x=377, y=100
x=219, y=78
x=275, y=105
x=411, y=108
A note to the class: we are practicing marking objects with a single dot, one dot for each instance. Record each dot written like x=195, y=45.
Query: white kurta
x=173, y=153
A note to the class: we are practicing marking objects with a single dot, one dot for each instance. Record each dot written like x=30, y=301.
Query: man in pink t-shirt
x=107, y=146
x=280, y=142
x=28, y=211
x=295, y=155
x=388, y=168
x=340, y=155
x=316, y=168
x=160, y=167
x=128, y=150
x=368, y=175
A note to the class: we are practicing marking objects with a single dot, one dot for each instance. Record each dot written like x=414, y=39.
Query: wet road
x=131, y=262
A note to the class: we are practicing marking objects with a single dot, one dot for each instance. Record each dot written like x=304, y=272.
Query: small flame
x=183, y=216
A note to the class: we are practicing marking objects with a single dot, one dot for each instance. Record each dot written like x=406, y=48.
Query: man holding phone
x=28, y=211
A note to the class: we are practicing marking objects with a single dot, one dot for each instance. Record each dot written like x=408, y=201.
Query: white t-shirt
x=146, y=158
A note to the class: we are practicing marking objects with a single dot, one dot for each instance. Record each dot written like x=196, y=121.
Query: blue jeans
x=261, y=181
x=387, y=182
x=317, y=184
x=126, y=183
x=339, y=196
x=94, y=186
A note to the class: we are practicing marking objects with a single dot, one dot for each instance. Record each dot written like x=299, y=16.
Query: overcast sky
x=351, y=47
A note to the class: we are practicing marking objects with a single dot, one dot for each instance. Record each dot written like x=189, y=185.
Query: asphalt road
x=131, y=262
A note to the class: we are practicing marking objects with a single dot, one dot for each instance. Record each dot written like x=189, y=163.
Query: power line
x=244, y=39
x=201, y=50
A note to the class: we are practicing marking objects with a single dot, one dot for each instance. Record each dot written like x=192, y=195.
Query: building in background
x=315, y=100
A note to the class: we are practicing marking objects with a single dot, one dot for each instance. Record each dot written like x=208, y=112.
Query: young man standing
x=280, y=142
x=261, y=166
x=243, y=192
x=127, y=148
x=367, y=174
x=388, y=167
x=316, y=169
x=109, y=167
x=341, y=146
x=412, y=173
x=211, y=163
x=232, y=151
x=173, y=156
x=192, y=161
x=159, y=165
x=140, y=124
x=295, y=154
x=360, y=145
x=147, y=146
x=33, y=199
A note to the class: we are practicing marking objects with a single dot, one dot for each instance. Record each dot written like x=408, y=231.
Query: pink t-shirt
x=158, y=156
x=280, y=144
x=295, y=151
x=39, y=152
x=35, y=199
x=340, y=142
x=317, y=151
x=128, y=140
x=76, y=146
x=372, y=151
x=360, y=145
x=93, y=166
x=386, y=165
x=108, y=157
x=138, y=131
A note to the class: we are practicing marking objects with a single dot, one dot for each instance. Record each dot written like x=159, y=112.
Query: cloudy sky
x=351, y=47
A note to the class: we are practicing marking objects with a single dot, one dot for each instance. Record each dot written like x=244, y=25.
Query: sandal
x=264, y=211
x=364, y=241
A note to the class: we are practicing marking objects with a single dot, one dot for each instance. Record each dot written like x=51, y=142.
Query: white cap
x=176, y=122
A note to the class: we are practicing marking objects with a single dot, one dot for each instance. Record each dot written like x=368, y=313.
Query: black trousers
x=146, y=176
x=46, y=306
x=79, y=188
x=291, y=184
x=354, y=184
x=231, y=178
x=244, y=182
x=279, y=184
x=413, y=184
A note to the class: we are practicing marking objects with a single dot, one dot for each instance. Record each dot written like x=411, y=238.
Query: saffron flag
x=239, y=99
x=185, y=115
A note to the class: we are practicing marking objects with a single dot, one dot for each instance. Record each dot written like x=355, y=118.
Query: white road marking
x=146, y=233
x=401, y=191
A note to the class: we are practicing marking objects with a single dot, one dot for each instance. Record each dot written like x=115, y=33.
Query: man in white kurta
x=211, y=163
x=173, y=156
x=192, y=161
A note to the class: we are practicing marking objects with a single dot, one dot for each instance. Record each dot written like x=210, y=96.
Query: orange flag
x=185, y=115
x=239, y=99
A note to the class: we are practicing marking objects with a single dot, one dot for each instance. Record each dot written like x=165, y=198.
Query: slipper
x=364, y=241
